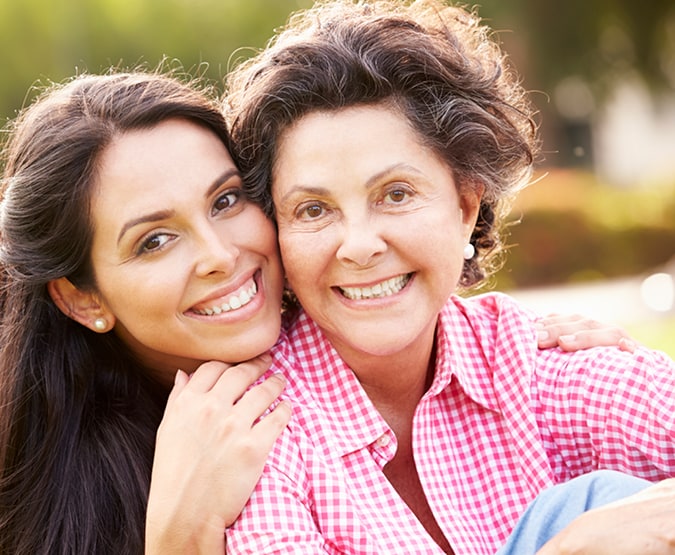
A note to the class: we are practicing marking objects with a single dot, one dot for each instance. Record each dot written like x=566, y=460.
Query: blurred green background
x=595, y=233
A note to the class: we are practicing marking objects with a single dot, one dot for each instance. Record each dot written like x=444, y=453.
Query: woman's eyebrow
x=228, y=174
x=164, y=214
x=152, y=217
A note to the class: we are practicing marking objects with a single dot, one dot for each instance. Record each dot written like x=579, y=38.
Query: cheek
x=301, y=256
x=263, y=241
x=289, y=258
x=140, y=294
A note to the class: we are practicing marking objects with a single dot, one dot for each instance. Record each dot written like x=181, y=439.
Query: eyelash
x=237, y=193
x=302, y=212
x=143, y=246
x=397, y=189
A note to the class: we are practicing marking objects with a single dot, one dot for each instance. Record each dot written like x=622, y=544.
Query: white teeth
x=234, y=302
x=383, y=289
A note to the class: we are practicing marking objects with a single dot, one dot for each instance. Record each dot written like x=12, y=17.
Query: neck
x=395, y=382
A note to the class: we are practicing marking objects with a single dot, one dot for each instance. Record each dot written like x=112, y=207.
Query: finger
x=179, y=382
x=259, y=398
x=267, y=430
x=206, y=376
x=568, y=326
x=551, y=327
x=544, y=338
x=231, y=385
x=627, y=344
x=590, y=338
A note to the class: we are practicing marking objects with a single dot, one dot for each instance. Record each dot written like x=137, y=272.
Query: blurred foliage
x=568, y=227
x=53, y=39
x=657, y=334
x=42, y=40
x=597, y=40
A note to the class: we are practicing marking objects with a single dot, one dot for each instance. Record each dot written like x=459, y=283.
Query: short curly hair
x=437, y=64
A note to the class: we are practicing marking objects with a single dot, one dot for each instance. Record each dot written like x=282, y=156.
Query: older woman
x=385, y=138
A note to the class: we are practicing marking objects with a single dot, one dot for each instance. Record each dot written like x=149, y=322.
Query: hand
x=573, y=333
x=209, y=454
x=642, y=524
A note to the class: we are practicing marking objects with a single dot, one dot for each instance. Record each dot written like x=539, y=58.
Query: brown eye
x=154, y=243
x=397, y=196
x=313, y=211
x=226, y=201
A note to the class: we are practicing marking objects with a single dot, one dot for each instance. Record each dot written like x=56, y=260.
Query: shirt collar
x=320, y=377
x=463, y=351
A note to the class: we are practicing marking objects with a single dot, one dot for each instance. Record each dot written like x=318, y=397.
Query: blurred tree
x=42, y=40
x=599, y=40
x=550, y=40
x=578, y=54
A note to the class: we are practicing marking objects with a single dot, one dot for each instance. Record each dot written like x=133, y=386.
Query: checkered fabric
x=501, y=421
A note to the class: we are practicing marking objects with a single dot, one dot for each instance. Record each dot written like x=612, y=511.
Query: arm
x=607, y=409
x=574, y=332
x=279, y=518
x=642, y=524
x=209, y=455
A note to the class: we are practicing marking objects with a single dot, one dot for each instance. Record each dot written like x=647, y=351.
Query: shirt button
x=382, y=441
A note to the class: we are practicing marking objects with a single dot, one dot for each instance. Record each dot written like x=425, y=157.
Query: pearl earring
x=100, y=324
x=469, y=251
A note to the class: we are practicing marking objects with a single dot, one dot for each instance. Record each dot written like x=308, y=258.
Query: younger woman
x=130, y=256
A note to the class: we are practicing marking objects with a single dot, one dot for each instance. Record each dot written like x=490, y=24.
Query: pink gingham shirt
x=501, y=421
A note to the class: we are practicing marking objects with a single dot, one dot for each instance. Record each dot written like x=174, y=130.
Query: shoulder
x=493, y=319
x=491, y=306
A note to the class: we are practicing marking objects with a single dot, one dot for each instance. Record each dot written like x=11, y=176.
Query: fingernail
x=567, y=338
x=627, y=345
x=542, y=335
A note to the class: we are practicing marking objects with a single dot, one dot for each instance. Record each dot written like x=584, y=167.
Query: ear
x=469, y=201
x=82, y=306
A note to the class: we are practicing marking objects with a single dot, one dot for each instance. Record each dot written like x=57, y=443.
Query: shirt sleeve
x=605, y=408
x=279, y=518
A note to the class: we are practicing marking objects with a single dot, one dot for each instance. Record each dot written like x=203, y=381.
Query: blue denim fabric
x=556, y=507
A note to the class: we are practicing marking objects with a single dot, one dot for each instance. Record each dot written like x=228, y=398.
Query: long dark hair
x=436, y=64
x=78, y=414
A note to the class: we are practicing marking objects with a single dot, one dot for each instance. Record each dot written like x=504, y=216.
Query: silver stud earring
x=469, y=251
x=100, y=324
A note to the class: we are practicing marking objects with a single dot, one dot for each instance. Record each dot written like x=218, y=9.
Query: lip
x=225, y=296
x=374, y=291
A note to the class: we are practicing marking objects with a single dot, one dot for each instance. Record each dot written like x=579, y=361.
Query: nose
x=214, y=252
x=361, y=242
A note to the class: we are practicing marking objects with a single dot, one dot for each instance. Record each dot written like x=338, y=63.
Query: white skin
x=172, y=239
x=173, y=234
x=377, y=209
x=641, y=524
x=385, y=223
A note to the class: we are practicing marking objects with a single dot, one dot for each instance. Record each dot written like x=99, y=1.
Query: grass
x=659, y=334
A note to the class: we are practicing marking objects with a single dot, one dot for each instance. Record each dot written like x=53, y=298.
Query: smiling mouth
x=385, y=288
x=235, y=302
